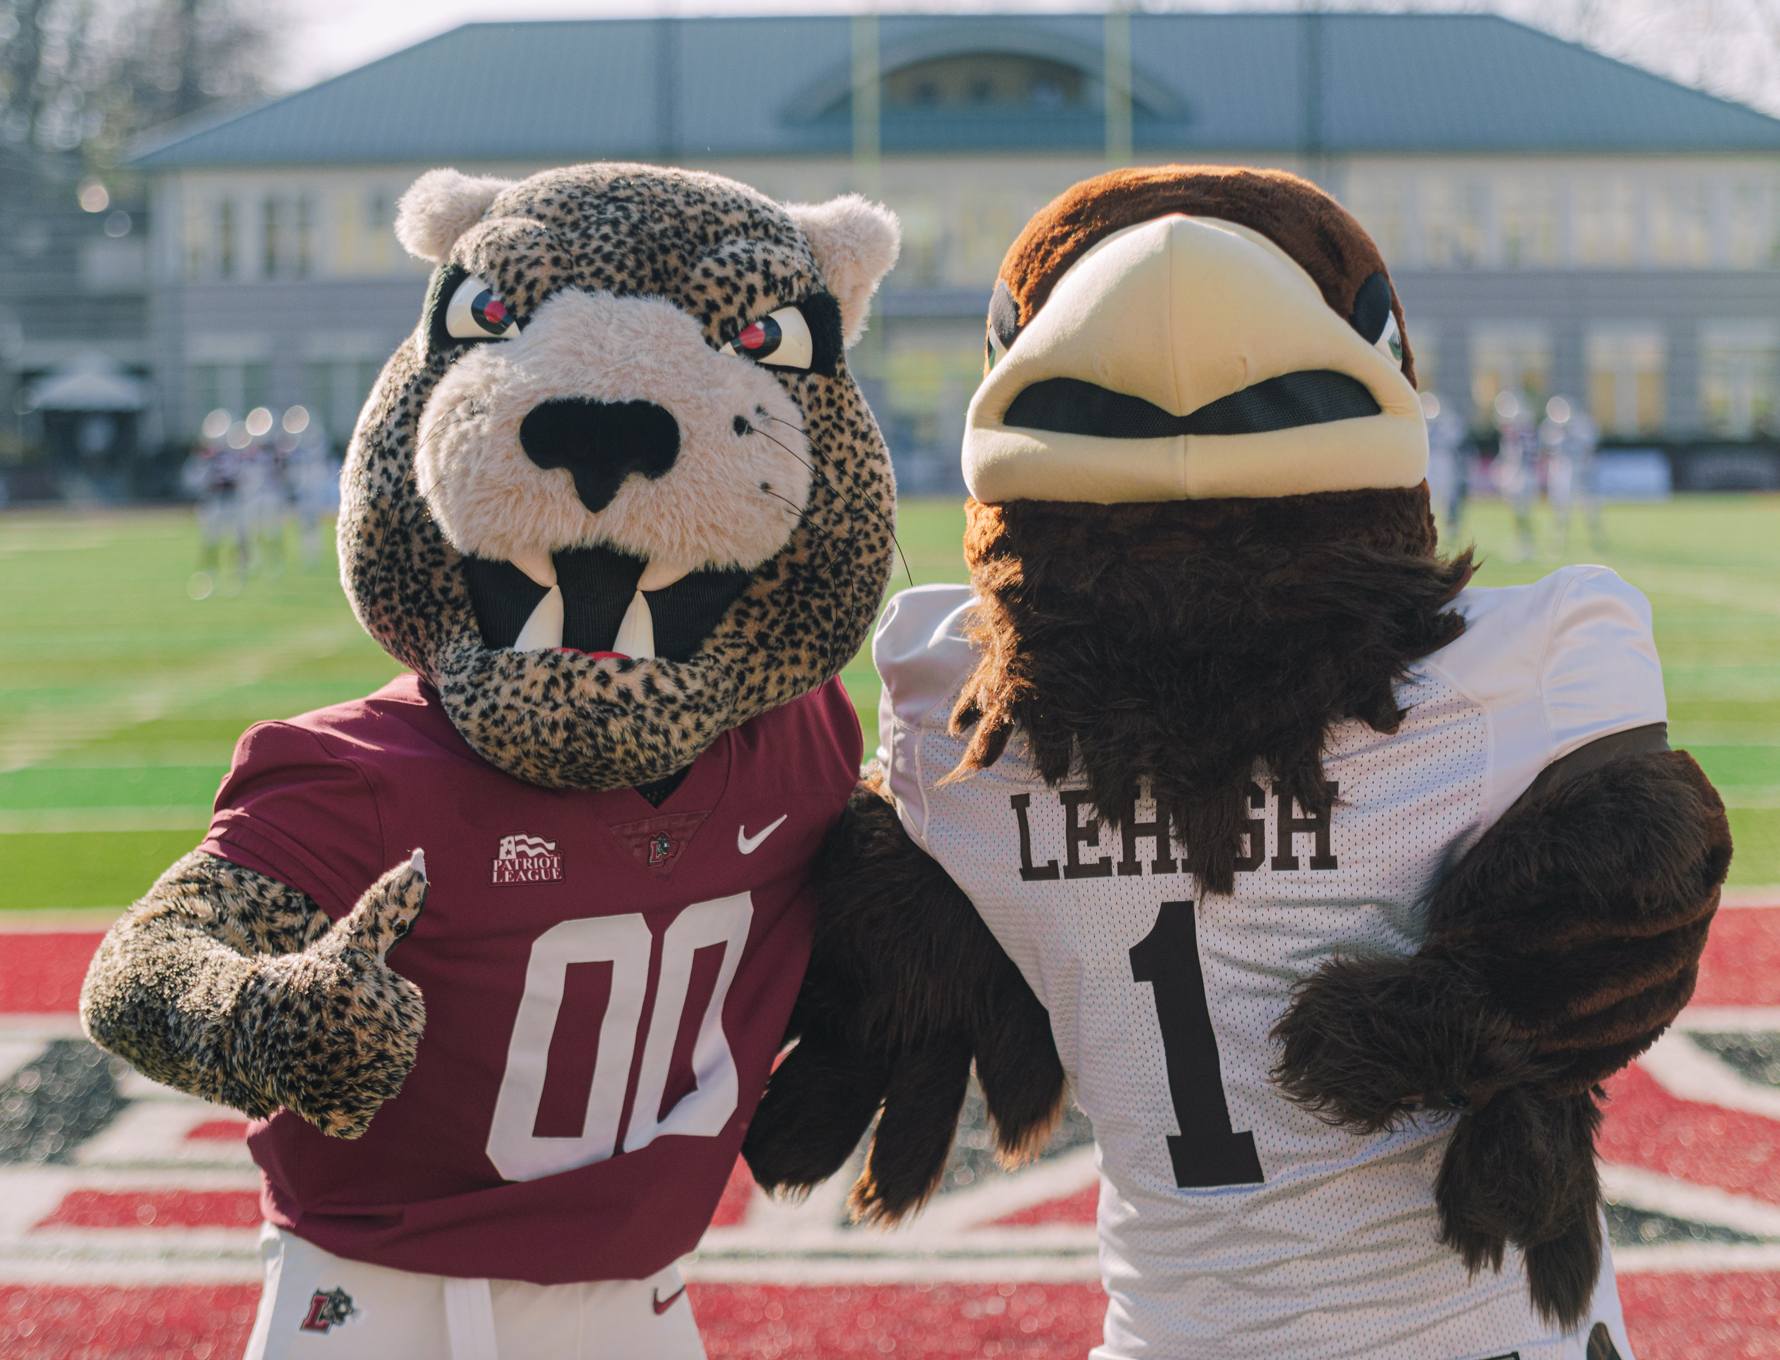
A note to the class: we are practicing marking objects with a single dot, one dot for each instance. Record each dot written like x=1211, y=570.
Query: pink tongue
x=595, y=656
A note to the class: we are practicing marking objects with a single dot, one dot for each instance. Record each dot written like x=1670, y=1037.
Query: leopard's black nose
x=600, y=443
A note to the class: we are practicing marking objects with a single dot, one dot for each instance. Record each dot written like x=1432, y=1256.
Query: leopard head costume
x=618, y=493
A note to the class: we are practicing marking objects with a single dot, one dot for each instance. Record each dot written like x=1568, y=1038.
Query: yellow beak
x=1180, y=312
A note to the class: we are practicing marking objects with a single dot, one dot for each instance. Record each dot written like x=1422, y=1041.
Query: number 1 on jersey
x=1206, y=1152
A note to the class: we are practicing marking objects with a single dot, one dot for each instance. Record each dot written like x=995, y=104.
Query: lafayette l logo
x=527, y=859
x=327, y=1309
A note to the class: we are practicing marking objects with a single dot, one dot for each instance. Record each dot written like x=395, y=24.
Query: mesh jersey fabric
x=1329, y=1246
x=607, y=982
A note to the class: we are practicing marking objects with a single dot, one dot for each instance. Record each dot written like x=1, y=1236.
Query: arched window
x=1004, y=81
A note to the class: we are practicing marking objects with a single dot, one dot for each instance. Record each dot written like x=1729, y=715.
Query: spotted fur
x=724, y=255
x=230, y=985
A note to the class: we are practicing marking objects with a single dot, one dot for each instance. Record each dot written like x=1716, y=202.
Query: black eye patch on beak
x=1372, y=308
x=1071, y=406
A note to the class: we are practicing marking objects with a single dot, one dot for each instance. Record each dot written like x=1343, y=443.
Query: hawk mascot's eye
x=1373, y=318
x=779, y=339
x=1004, y=323
x=1390, y=344
x=475, y=313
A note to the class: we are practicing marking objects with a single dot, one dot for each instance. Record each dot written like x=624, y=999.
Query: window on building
x=269, y=244
x=1427, y=358
x=1739, y=377
x=318, y=395
x=305, y=236
x=225, y=238
x=206, y=392
x=1528, y=216
x=365, y=378
x=1604, y=211
x=256, y=385
x=374, y=248
x=1380, y=200
x=1681, y=222
x=1626, y=366
x=1752, y=240
x=979, y=79
x=1454, y=213
x=1509, y=357
x=194, y=239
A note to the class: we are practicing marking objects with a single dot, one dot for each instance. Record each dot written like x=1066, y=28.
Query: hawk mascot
x=1329, y=886
x=619, y=507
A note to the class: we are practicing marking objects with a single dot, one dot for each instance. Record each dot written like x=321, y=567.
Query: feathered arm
x=1559, y=948
x=227, y=984
x=906, y=986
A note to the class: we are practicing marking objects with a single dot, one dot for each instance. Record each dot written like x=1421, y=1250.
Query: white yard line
x=1696, y=1258
x=36, y=821
x=1660, y=1194
x=1750, y=795
x=37, y=735
x=791, y=1270
x=1688, y=1072
x=1768, y=896
x=1730, y=1019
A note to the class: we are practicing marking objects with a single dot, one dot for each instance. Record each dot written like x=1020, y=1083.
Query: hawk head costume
x=618, y=506
x=1330, y=886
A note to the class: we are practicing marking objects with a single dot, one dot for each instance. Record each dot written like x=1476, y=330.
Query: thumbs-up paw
x=335, y=1030
x=387, y=910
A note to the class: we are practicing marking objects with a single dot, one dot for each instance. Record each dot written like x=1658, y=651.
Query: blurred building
x=1556, y=221
x=73, y=329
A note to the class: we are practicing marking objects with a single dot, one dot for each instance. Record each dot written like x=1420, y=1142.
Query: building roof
x=780, y=85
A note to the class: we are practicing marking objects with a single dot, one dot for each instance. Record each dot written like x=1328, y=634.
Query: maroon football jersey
x=606, y=982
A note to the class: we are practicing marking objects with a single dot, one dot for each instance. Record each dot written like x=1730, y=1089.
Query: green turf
x=119, y=694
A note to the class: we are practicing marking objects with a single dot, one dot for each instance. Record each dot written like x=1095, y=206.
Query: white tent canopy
x=89, y=381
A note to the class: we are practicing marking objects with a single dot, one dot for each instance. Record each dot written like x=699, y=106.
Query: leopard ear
x=441, y=206
x=855, y=242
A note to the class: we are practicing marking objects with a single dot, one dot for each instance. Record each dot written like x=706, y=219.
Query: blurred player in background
x=311, y=476
x=1448, y=473
x=1569, y=438
x=1516, y=469
x=215, y=474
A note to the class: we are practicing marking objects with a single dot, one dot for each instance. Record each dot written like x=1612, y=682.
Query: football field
x=127, y=1212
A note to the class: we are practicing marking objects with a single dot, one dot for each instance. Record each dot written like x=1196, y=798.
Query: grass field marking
x=1752, y=895
x=36, y=736
x=53, y=820
x=1709, y=585
x=1750, y=795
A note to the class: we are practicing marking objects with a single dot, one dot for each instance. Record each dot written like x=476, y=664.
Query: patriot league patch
x=527, y=859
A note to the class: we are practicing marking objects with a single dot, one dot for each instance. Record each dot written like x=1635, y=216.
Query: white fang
x=636, y=634
x=543, y=630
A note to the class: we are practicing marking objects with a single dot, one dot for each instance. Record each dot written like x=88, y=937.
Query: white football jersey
x=1232, y=1223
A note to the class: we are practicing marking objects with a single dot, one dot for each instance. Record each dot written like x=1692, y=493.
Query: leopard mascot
x=621, y=510
x=1329, y=885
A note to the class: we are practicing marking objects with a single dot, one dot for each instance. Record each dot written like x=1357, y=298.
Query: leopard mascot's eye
x=779, y=339
x=475, y=313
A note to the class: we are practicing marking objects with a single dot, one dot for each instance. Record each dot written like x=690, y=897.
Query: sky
x=1721, y=44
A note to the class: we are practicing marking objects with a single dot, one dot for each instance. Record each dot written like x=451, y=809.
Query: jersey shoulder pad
x=1579, y=640
x=921, y=651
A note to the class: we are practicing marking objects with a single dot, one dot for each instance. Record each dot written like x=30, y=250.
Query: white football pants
x=318, y=1306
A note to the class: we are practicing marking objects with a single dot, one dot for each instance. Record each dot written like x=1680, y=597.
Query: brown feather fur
x=1174, y=644
x=905, y=984
x=1560, y=947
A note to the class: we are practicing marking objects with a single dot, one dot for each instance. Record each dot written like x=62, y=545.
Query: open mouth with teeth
x=598, y=601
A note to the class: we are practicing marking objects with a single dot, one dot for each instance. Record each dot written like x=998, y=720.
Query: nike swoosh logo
x=749, y=844
x=661, y=1304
